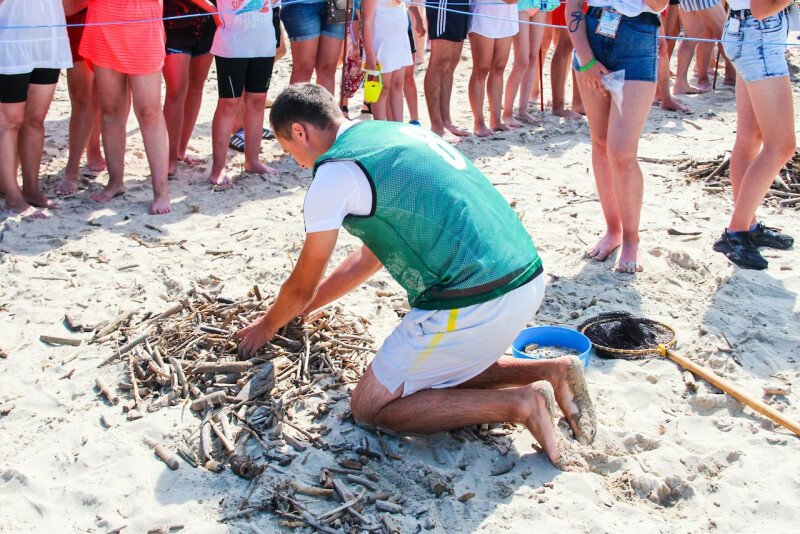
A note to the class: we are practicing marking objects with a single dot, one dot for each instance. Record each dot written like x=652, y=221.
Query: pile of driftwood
x=715, y=173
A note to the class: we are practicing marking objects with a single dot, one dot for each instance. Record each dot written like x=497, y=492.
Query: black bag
x=337, y=11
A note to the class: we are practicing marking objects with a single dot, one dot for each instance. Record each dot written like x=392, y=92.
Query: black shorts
x=448, y=20
x=276, y=23
x=14, y=87
x=236, y=75
x=674, y=2
x=189, y=41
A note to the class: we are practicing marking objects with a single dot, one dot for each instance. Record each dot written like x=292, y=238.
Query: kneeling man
x=471, y=271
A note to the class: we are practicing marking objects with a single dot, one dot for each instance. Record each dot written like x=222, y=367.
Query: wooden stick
x=163, y=453
x=223, y=367
x=106, y=391
x=55, y=340
x=731, y=389
x=311, y=491
x=226, y=443
x=181, y=377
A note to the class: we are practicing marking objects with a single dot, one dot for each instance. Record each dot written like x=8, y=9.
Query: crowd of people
x=118, y=52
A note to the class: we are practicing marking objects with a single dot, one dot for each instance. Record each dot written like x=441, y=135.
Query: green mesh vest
x=437, y=224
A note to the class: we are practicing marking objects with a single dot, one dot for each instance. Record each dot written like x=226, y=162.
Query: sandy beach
x=666, y=458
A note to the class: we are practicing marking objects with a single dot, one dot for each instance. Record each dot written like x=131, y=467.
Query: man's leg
x=565, y=375
x=373, y=405
x=692, y=27
x=494, y=83
x=31, y=143
x=79, y=84
x=518, y=68
x=436, y=80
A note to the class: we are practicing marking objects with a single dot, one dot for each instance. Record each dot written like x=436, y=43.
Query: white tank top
x=23, y=50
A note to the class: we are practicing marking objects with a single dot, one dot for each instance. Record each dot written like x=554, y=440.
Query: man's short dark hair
x=307, y=103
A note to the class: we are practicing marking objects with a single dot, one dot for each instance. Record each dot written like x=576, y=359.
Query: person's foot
x=108, y=193
x=765, y=236
x=481, y=130
x=566, y=114
x=528, y=117
x=27, y=211
x=220, y=178
x=455, y=130
x=511, y=121
x=572, y=395
x=68, y=185
x=95, y=162
x=685, y=88
x=190, y=160
x=160, y=205
x=704, y=86
x=538, y=411
x=38, y=200
x=629, y=259
x=500, y=127
x=578, y=108
x=673, y=104
x=258, y=167
x=739, y=248
x=605, y=247
x=173, y=168
x=730, y=82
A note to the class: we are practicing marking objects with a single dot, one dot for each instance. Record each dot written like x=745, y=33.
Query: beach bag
x=337, y=11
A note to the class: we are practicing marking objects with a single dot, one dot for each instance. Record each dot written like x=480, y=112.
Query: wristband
x=588, y=65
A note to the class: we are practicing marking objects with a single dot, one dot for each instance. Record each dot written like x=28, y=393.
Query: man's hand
x=253, y=337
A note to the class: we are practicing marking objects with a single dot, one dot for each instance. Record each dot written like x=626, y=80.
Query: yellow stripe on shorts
x=451, y=326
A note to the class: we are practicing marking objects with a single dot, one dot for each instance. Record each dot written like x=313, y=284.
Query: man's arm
x=762, y=9
x=295, y=295
x=74, y=6
x=356, y=269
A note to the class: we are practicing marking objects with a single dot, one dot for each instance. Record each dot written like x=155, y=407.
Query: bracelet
x=588, y=65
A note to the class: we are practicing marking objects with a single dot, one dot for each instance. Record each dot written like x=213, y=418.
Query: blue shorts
x=757, y=50
x=635, y=48
x=305, y=21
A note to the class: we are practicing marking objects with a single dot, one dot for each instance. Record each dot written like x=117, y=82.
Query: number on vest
x=438, y=145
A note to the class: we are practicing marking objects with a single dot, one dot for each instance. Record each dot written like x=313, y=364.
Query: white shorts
x=444, y=348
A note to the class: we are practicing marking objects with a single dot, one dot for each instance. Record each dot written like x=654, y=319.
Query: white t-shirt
x=339, y=188
x=246, y=31
x=737, y=5
x=629, y=8
x=23, y=50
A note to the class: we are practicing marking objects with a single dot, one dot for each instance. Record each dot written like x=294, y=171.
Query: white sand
x=664, y=459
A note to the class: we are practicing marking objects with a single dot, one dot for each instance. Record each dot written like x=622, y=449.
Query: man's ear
x=299, y=132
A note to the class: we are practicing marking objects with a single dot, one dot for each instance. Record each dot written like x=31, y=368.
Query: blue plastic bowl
x=552, y=336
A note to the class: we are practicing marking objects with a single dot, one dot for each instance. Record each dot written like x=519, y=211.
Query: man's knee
x=362, y=408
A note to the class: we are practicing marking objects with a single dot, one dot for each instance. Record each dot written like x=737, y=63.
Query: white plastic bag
x=614, y=82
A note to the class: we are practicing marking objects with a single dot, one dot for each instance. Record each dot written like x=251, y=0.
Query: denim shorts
x=635, y=48
x=305, y=21
x=756, y=49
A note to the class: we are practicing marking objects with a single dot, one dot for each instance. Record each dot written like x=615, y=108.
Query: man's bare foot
x=191, y=161
x=500, y=127
x=220, y=178
x=538, y=419
x=68, y=185
x=704, y=86
x=511, y=121
x=527, y=117
x=572, y=395
x=566, y=114
x=673, y=104
x=108, y=193
x=455, y=130
x=681, y=88
x=629, y=259
x=578, y=108
x=258, y=167
x=27, y=211
x=160, y=205
x=37, y=199
x=731, y=82
x=95, y=162
x=481, y=130
x=606, y=246
x=173, y=168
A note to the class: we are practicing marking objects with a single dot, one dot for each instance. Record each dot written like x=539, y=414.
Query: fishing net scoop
x=621, y=335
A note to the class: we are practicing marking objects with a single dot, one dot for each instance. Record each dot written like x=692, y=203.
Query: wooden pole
x=347, y=29
x=541, y=78
x=734, y=391
x=716, y=67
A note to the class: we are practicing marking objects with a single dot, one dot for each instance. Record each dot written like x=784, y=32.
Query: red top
x=133, y=48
